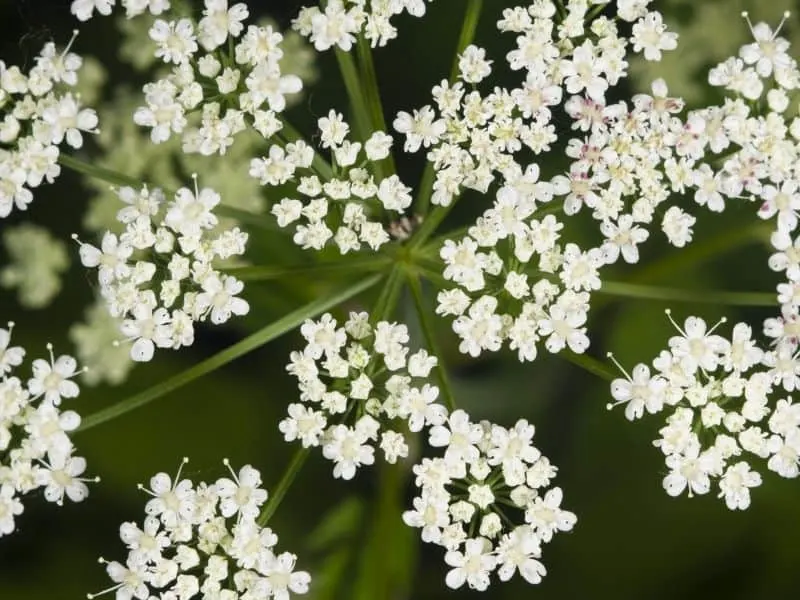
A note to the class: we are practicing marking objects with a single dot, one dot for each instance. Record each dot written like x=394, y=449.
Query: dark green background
x=631, y=542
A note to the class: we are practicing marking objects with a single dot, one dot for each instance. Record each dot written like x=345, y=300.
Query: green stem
x=430, y=224
x=468, y=28
x=432, y=247
x=355, y=93
x=595, y=11
x=434, y=276
x=387, y=299
x=120, y=179
x=652, y=292
x=266, y=273
x=246, y=217
x=698, y=252
x=298, y=460
x=590, y=364
x=248, y=344
x=424, y=313
x=467, y=34
x=372, y=91
x=101, y=173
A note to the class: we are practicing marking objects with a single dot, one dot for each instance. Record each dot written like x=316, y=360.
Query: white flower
x=61, y=477
x=190, y=213
x=219, y=297
x=547, y=517
x=173, y=500
x=471, y=566
x=242, y=495
x=219, y=22
x=53, y=379
x=84, y=9
x=10, y=356
x=225, y=549
x=519, y=550
x=651, y=36
x=147, y=329
x=736, y=483
x=175, y=39
x=472, y=64
x=459, y=437
x=639, y=392
x=347, y=448
x=677, y=226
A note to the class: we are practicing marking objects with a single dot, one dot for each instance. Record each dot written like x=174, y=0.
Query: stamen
x=717, y=324
x=146, y=490
x=668, y=312
x=786, y=15
x=69, y=44
x=227, y=463
x=105, y=591
x=178, y=474
x=746, y=17
x=613, y=359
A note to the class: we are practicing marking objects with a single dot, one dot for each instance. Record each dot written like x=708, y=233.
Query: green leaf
x=248, y=344
x=340, y=522
x=329, y=575
x=653, y=292
x=376, y=576
x=269, y=272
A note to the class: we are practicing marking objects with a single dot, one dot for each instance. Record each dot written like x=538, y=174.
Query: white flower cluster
x=496, y=302
x=36, y=262
x=471, y=137
x=341, y=21
x=359, y=389
x=763, y=143
x=633, y=160
x=341, y=207
x=36, y=116
x=719, y=416
x=35, y=449
x=485, y=502
x=356, y=381
x=204, y=540
x=230, y=76
x=85, y=9
x=167, y=254
x=723, y=415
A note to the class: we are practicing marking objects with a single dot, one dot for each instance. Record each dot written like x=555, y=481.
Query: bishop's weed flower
x=37, y=262
x=360, y=389
x=486, y=501
x=727, y=410
x=36, y=451
x=38, y=114
x=204, y=539
x=158, y=276
x=344, y=209
x=571, y=177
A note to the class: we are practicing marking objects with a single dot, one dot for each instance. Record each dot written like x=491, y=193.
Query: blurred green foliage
x=632, y=542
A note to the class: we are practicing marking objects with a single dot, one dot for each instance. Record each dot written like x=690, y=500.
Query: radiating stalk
x=424, y=315
x=468, y=28
x=248, y=344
